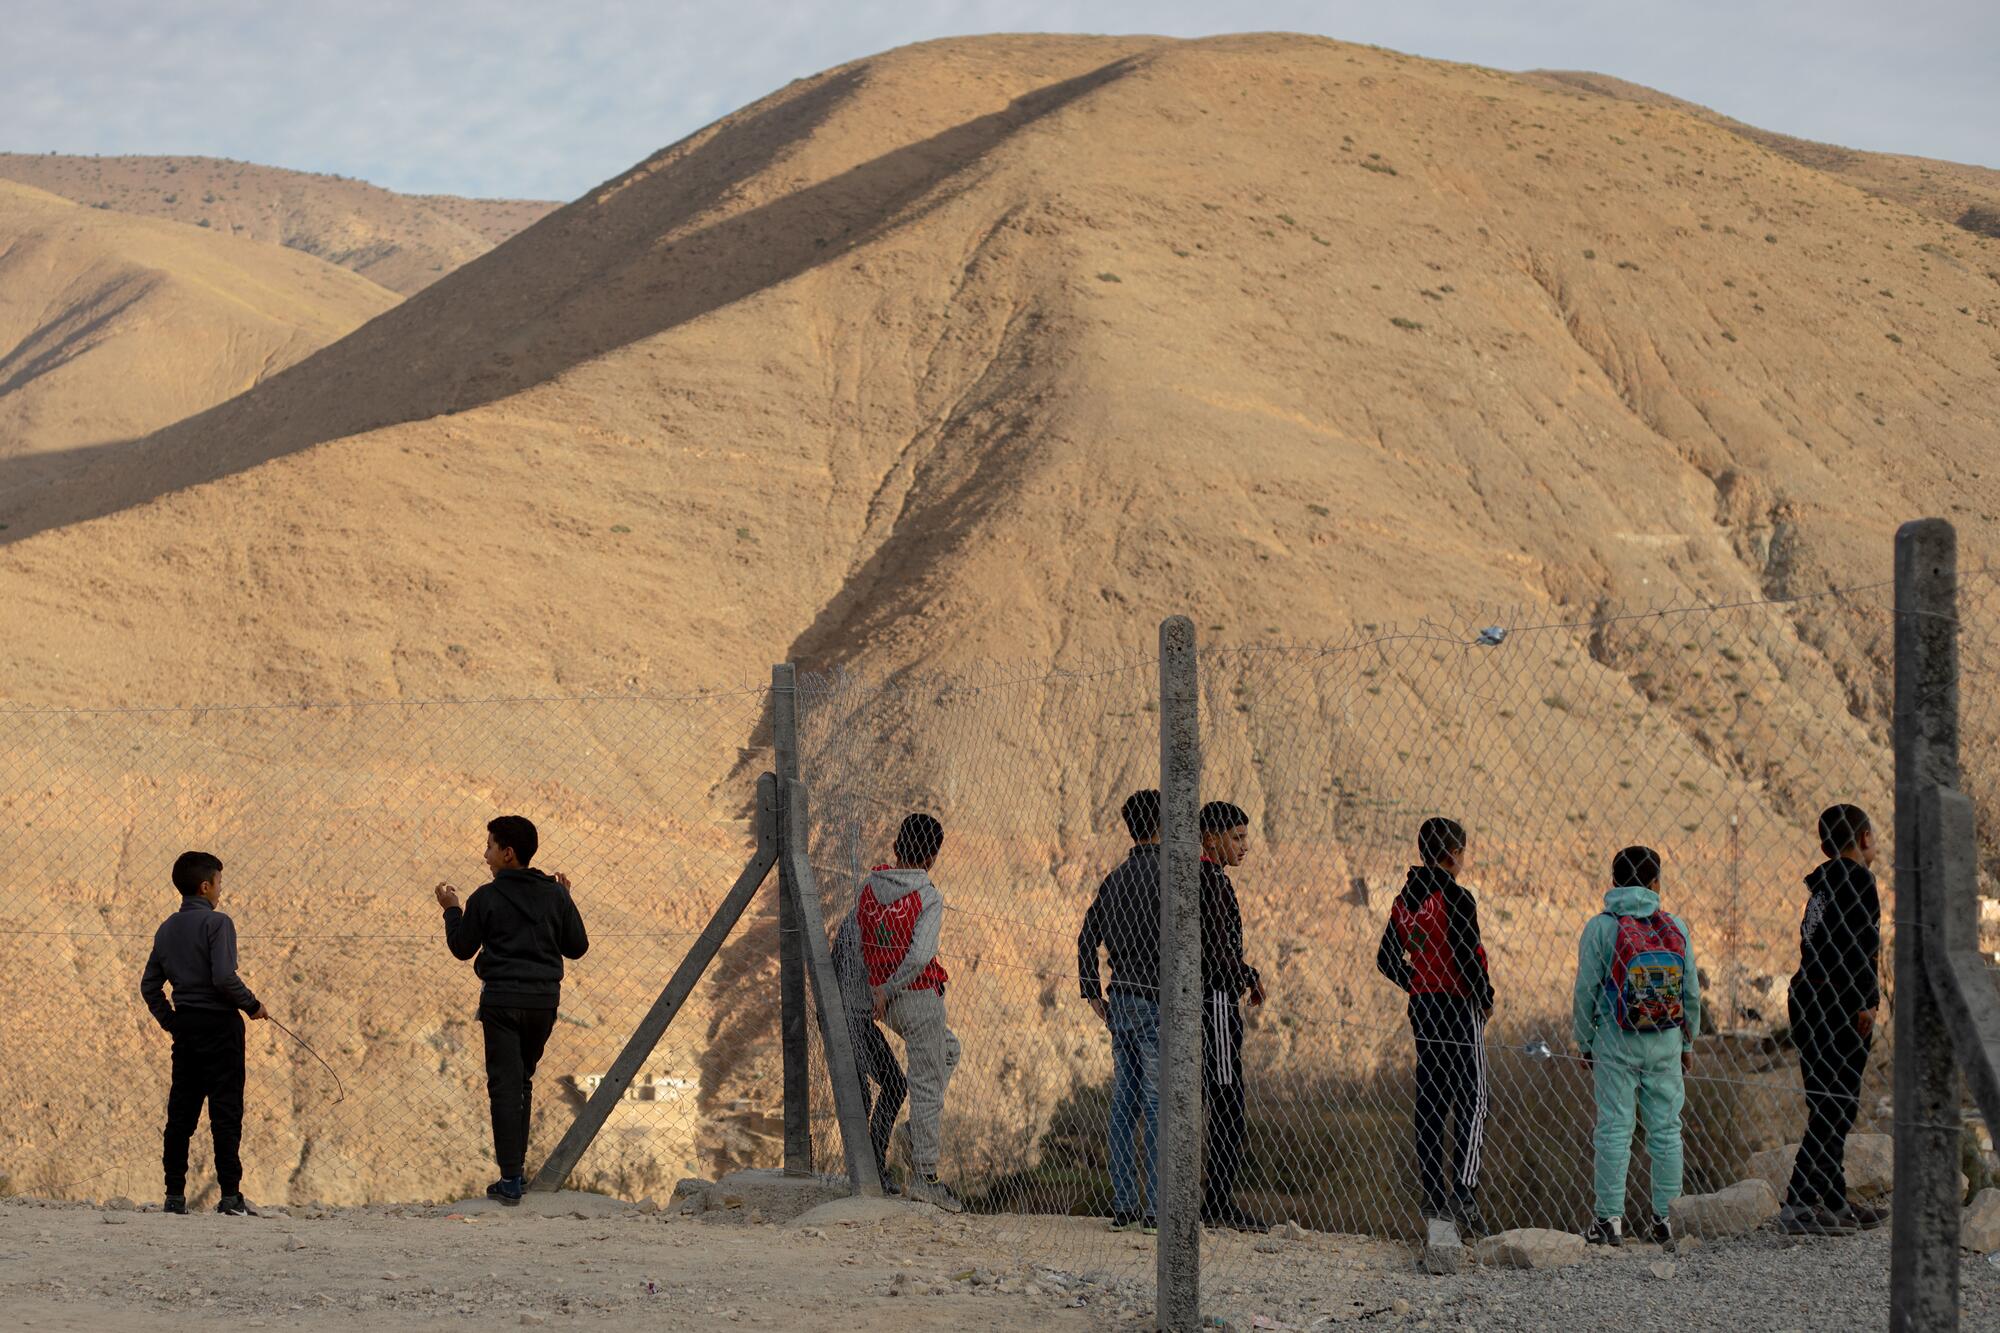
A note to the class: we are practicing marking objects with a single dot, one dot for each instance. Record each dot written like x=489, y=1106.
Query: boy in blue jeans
x=1635, y=1013
x=1124, y=920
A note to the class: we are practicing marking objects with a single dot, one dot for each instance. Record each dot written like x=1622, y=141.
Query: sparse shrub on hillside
x=1894, y=337
x=1770, y=238
x=1375, y=163
x=1408, y=324
x=1590, y=254
x=1626, y=263
x=1109, y=277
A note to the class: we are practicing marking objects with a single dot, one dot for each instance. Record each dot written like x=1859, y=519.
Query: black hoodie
x=522, y=926
x=1840, y=940
x=1223, y=970
x=1461, y=916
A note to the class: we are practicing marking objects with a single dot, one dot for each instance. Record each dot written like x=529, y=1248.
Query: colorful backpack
x=1648, y=973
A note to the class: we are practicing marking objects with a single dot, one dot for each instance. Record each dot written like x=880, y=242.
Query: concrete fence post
x=1923, y=1265
x=1177, y=1301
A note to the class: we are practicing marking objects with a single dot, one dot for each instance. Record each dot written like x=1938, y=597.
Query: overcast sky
x=545, y=98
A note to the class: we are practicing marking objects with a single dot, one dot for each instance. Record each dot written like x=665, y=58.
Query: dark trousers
x=1832, y=1057
x=208, y=1067
x=883, y=1101
x=1451, y=1083
x=514, y=1042
x=1222, y=1093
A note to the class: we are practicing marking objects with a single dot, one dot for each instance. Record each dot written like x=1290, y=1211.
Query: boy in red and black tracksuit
x=1225, y=979
x=1834, y=996
x=1431, y=949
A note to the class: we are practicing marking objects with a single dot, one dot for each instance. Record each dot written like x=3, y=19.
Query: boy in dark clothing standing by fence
x=521, y=926
x=194, y=951
x=1431, y=949
x=1834, y=996
x=1124, y=921
x=1225, y=979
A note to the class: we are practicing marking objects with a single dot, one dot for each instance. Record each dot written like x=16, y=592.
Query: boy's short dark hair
x=918, y=840
x=1841, y=827
x=518, y=835
x=1439, y=838
x=1221, y=816
x=1635, y=867
x=194, y=869
x=1141, y=813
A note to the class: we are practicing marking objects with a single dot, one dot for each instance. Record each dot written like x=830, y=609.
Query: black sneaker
x=235, y=1205
x=1232, y=1218
x=1661, y=1232
x=1864, y=1217
x=1811, y=1219
x=1471, y=1222
x=176, y=1203
x=508, y=1190
x=1606, y=1231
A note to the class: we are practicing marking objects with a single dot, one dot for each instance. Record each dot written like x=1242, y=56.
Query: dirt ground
x=588, y=1261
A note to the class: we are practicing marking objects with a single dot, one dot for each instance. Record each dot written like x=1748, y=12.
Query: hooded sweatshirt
x=1593, y=1025
x=1461, y=915
x=901, y=917
x=521, y=925
x=1840, y=940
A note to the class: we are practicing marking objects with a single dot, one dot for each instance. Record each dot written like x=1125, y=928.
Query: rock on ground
x=1443, y=1251
x=1980, y=1228
x=1736, y=1211
x=1531, y=1247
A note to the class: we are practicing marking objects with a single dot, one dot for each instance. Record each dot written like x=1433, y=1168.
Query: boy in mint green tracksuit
x=1635, y=1013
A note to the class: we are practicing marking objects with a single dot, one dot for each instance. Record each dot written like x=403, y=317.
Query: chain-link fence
x=333, y=824
x=1714, y=734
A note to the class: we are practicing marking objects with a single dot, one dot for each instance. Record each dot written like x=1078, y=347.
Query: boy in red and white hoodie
x=901, y=917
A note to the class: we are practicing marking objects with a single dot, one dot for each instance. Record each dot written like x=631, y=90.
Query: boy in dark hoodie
x=1431, y=949
x=901, y=917
x=1225, y=979
x=194, y=951
x=521, y=925
x=1124, y=921
x=1834, y=996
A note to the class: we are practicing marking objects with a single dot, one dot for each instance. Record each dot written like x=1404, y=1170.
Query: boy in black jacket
x=521, y=925
x=194, y=950
x=1225, y=979
x=1834, y=996
x=1431, y=949
x=1124, y=921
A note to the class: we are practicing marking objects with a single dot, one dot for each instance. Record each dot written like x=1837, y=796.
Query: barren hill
x=112, y=326
x=1963, y=195
x=402, y=242
x=1001, y=349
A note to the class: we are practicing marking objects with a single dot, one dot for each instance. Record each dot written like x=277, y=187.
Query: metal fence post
x=1923, y=1265
x=1177, y=1298
x=791, y=953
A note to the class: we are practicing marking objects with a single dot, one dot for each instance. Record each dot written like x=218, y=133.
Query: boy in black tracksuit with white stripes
x=1225, y=978
x=1431, y=949
x=1832, y=1004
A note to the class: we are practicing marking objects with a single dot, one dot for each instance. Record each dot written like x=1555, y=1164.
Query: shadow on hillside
x=597, y=265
